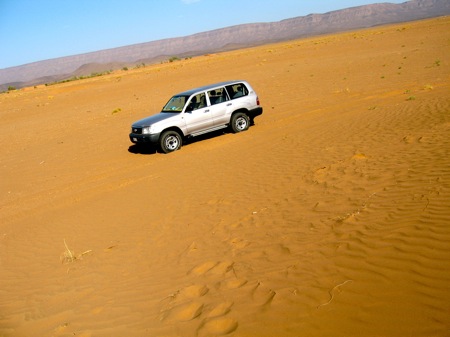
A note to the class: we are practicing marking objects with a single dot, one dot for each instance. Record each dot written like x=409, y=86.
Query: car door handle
x=206, y=110
x=229, y=104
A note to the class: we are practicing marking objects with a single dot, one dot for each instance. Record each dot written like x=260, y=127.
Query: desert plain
x=329, y=217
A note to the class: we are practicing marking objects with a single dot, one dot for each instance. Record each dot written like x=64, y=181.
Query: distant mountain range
x=224, y=39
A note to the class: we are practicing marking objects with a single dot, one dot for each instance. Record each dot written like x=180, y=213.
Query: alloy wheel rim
x=241, y=123
x=172, y=143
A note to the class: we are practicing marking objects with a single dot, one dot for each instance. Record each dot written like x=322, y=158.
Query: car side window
x=237, y=90
x=217, y=96
x=197, y=102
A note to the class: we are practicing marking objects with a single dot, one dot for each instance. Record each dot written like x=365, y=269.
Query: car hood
x=154, y=119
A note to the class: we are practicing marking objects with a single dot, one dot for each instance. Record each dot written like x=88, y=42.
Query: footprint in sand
x=191, y=303
x=261, y=295
x=238, y=243
x=213, y=268
x=182, y=305
x=220, y=310
x=185, y=312
x=320, y=175
x=203, y=268
x=222, y=268
x=194, y=291
x=233, y=283
x=219, y=326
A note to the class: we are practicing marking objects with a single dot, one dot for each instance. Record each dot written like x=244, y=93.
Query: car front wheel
x=239, y=122
x=170, y=141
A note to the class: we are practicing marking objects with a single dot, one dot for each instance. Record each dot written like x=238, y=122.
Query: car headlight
x=148, y=130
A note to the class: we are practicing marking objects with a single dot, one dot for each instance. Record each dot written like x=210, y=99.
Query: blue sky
x=34, y=30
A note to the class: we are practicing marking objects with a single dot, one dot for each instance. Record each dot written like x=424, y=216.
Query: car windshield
x=175, y=104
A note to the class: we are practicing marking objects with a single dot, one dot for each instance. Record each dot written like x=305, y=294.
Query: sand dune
x=329, y=217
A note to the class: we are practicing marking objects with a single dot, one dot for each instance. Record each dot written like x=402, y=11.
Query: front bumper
x=142, y=139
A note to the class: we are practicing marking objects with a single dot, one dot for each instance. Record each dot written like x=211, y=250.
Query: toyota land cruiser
x=232, y=104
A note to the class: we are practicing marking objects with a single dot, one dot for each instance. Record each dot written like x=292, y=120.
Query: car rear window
x=237, y=90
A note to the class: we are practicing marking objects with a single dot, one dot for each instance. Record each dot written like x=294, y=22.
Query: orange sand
x=329, y=217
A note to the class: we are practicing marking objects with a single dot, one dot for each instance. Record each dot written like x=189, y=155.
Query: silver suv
x=232, y=104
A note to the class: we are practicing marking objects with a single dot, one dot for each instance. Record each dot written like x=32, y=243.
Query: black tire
x=239, y=122
x=170, y=141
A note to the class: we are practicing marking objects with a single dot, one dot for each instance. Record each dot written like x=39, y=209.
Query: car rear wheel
x=239, y=122
x=170, y=141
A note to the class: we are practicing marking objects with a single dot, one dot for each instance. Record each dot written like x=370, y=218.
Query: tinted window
x=237, y=90
x=217, y=96
x=197, y=102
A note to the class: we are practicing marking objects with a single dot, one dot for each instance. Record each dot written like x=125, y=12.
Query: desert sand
x=329, y=217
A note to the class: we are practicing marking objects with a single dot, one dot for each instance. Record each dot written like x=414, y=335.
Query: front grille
x=137, y=131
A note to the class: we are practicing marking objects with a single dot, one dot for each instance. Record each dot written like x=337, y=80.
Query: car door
x=197, y=114
x=220, y=106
